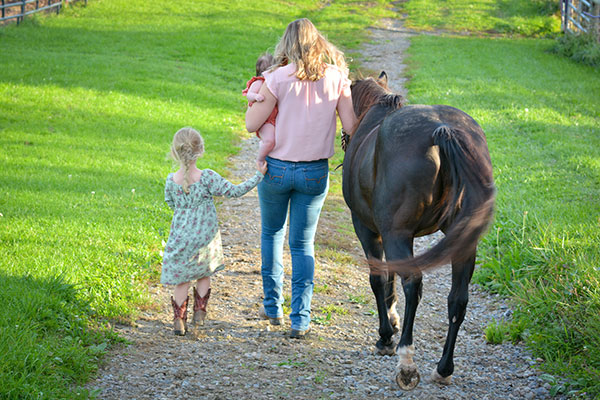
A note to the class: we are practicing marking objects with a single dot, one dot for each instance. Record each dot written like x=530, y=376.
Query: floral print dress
x=194, y=250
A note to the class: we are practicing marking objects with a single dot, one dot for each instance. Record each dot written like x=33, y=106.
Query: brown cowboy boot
x=200, y=307
x=179, y=316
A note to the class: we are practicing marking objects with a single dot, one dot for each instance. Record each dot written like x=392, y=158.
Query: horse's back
x=416, y=123
x=410, y=181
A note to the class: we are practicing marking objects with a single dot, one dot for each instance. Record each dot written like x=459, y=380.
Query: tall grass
x=90, y=100
x=540, y=114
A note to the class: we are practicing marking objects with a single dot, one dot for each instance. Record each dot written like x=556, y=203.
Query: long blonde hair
x=303, y=45
x=187, y=146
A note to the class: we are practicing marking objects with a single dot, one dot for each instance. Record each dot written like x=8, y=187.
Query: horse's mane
x=369, y=92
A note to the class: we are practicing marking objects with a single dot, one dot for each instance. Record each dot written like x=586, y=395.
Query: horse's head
x=369, y=92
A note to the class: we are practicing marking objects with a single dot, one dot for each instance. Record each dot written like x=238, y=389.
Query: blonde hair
x=303, y=45
x=187, y=146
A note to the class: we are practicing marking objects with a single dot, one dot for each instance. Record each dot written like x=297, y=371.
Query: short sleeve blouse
x=306, y=122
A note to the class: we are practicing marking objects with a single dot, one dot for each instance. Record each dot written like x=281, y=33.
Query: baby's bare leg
x=267, y=141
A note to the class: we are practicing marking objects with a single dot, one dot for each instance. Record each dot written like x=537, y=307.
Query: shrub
x=582, y=48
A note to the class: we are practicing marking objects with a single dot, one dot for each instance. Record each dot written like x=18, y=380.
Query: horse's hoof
x=385, y=350
x=408, y=378
x=437, y=378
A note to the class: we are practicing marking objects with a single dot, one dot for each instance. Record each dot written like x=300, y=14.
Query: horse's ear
x=383, y=77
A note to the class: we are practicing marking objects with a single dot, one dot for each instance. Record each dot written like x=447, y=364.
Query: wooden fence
x=19, y=9
x=581, y=16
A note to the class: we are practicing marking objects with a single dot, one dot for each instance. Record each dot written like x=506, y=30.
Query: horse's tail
x=469, y=202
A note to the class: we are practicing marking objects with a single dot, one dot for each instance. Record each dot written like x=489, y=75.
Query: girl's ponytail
x=187, y=147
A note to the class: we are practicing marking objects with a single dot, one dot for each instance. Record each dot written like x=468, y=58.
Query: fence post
x=2, y=8
x=566, y=16
x=20, y=19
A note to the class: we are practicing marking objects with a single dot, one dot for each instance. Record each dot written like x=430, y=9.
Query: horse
x=409, y=171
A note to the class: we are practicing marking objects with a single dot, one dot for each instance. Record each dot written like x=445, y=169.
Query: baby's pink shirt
x=306, y=122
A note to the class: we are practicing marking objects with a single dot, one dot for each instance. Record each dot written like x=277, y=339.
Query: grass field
x=90, y=100
x=541, y=116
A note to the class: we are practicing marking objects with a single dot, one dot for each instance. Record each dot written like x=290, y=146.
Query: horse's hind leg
x=380, y=284
x=457, y=307
x=408, y=374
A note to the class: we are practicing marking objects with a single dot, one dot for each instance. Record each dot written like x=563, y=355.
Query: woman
x=308, y=83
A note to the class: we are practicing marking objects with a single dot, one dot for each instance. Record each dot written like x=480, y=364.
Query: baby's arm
x=253, y=94
x=219, y=186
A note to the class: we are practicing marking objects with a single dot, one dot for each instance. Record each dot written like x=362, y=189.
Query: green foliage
x=582, y=48
x=499, y=331
x=90, y=101
x=543, y=134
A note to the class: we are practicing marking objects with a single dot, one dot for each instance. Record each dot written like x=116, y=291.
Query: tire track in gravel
x=238, y=356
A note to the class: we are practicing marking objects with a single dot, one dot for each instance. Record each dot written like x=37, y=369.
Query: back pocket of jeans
x=315, y=178
x=274, y=175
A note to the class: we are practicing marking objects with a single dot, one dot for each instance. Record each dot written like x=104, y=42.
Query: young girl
x=193, y=250
x=266, y=133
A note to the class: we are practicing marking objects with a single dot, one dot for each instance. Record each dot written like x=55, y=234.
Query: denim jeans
x=300, y=187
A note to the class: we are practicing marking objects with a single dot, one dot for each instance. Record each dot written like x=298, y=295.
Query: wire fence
x=19, y=9
x=581, y=16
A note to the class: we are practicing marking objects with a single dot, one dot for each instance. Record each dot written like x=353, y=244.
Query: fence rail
x=581, y=16
x=19, y=9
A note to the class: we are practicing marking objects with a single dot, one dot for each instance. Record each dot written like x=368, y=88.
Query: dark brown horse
x=411, y=171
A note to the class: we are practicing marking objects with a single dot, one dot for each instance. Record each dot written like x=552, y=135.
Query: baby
x=266, y=133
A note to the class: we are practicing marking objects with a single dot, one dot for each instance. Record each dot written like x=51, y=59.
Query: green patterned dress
x=194, y=250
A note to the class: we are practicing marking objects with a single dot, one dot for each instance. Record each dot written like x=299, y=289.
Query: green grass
x=540, y=114
x=528, y=18
x=90, y=100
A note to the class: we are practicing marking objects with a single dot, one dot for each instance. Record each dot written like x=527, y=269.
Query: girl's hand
x=261, y=166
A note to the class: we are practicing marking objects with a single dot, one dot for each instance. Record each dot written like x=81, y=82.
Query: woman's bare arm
x=346, y=112
x=259, y=112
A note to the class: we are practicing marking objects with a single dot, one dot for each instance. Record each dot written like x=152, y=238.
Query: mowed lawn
x=89, y=101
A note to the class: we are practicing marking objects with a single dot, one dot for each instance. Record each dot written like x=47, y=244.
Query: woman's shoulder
x=334, y=69
x=281, y=73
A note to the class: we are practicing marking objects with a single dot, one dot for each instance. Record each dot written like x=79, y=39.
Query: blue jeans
x=300, y=187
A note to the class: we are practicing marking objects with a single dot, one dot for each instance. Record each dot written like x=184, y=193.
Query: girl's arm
x=346, y=111
x=259, y=112
x=253, y=92
x=219, y=186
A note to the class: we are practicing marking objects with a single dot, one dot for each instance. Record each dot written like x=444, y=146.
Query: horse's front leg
x=400, y=247
x=372, y=246
x=457, y=308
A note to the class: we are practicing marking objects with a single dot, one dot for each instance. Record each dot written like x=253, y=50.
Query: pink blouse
x=306, y=121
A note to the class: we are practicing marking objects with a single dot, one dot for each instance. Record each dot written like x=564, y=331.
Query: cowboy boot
x=179, y=316
x=200, y=307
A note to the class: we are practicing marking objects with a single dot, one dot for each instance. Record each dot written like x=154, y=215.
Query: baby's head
x=187, y=146
x=263, y=63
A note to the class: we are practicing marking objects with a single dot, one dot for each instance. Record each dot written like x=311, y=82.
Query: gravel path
x=238, y=356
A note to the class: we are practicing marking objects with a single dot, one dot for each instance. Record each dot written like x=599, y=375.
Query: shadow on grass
x=48, y=348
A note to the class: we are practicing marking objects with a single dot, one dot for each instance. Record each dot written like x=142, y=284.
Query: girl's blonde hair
x=303, y=45
x=187, y=146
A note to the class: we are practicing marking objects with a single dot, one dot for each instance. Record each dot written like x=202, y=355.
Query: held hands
x=261, y=166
